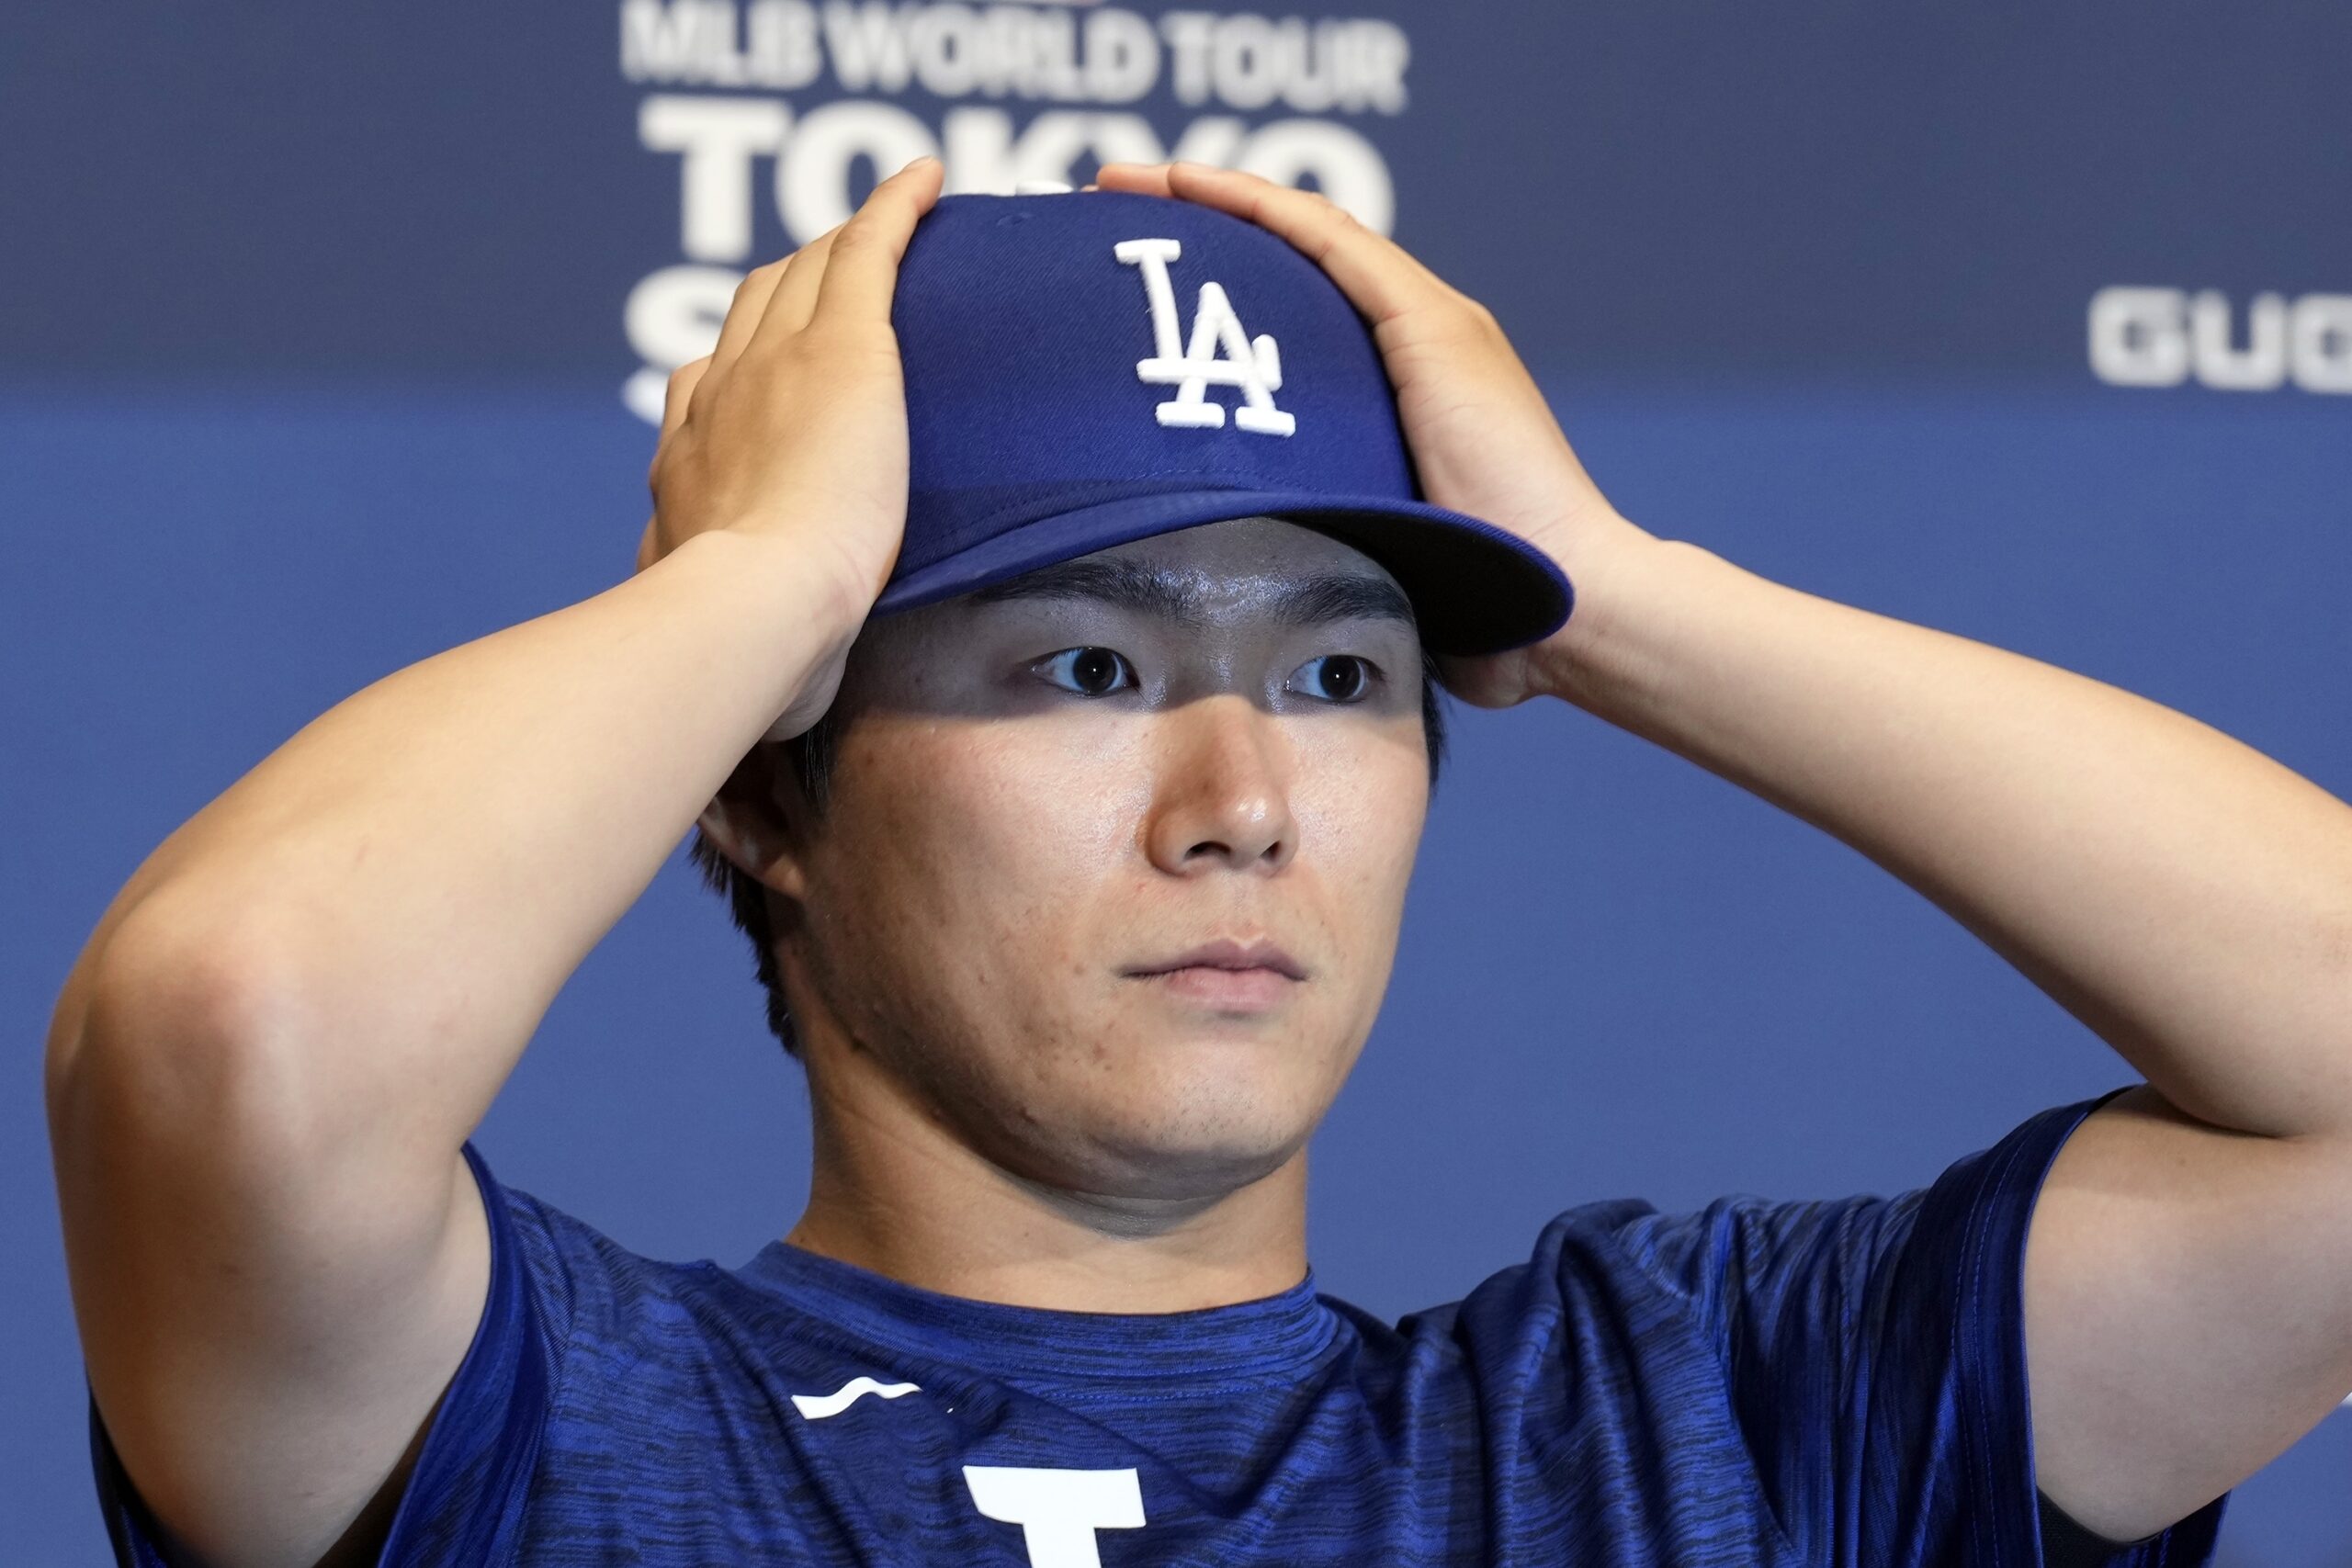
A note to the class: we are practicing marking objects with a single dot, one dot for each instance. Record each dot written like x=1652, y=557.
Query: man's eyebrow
x=1170, y=595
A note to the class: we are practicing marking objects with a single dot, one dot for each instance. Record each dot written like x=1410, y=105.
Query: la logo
x=1220, y=353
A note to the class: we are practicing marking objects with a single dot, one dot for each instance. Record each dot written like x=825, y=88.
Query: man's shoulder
x=1624, y=1264
x=593, y=1295
x=1628, y=1248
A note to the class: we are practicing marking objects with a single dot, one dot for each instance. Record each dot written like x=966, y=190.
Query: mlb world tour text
x=1287, y=97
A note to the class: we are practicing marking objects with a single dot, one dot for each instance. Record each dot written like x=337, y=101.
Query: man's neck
x=896, y=1192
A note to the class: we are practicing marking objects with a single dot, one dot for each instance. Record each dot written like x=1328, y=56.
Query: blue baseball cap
x=1086, y=368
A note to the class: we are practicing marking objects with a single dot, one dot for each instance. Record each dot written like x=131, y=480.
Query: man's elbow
x=175, y=1033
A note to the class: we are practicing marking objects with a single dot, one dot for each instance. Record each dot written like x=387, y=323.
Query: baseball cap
x=1087, y=368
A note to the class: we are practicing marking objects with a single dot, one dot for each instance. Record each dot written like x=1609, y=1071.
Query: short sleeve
x=1874, y=1352
x=464, y=1499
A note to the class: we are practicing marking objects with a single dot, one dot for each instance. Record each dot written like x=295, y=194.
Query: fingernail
x=917, y=163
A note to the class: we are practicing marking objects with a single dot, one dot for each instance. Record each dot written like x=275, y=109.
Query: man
x=1080, y=913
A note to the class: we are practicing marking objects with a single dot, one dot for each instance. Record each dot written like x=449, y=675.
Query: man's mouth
x=1227, y=975
x=1228, y=955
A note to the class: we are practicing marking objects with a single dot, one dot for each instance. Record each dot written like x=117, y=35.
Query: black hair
x=812, y=754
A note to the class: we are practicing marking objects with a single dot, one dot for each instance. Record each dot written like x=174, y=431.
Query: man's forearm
x=2185, y=896
x=408, y=881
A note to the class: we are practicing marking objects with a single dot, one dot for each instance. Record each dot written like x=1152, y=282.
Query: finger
x=861, y=274
x=1374, y=272
x=683, y=381
x=796, y=296
x=1135, y=179
x=750, y=305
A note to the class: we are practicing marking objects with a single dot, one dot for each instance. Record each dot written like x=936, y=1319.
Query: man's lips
x=1228, y=955
x=1228, y=977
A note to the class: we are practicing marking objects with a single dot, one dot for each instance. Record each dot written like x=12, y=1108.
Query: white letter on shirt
x=1058, y=1510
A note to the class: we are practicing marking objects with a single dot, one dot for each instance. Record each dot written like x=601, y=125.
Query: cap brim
x=1475, y=587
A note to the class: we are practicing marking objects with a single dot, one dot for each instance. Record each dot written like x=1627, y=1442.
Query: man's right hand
x=264, y=1067
x=794, y=427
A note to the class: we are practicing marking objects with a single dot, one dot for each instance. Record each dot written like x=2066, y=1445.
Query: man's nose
x=1221, y=796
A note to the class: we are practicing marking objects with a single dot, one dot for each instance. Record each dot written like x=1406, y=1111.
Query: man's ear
x=759, y=821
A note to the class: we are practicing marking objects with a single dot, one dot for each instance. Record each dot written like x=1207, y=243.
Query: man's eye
x=1089, y=672
x=1337, y=677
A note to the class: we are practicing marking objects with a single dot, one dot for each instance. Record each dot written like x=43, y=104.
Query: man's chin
x=1158, y=1162
x=1197, y=1122
x=1170, y=1172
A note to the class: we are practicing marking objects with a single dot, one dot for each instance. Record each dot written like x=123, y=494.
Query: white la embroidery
x=817, y=1407
x=1219, y=354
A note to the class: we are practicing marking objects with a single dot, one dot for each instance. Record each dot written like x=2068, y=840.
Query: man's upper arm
x=268, y=1329
x=2188, y=1309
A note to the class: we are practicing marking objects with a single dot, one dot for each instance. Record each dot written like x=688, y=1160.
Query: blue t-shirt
x=1801, y=1383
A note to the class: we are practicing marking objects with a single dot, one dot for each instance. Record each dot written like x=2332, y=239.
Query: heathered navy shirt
x=1812, y=1384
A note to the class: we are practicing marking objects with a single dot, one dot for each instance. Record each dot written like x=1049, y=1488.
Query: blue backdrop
x=325, y=334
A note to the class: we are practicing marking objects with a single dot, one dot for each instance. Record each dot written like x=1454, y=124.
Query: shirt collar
x=1267, y=1337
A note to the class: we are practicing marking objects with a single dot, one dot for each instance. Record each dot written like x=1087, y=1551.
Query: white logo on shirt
x=1220, y=353
x=817, y=1406
x=1058, y=1510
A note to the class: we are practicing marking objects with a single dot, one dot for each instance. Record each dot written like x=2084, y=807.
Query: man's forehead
x=1255, y=567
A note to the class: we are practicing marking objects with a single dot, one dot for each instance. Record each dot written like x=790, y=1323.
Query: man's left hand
x=1481, y=435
